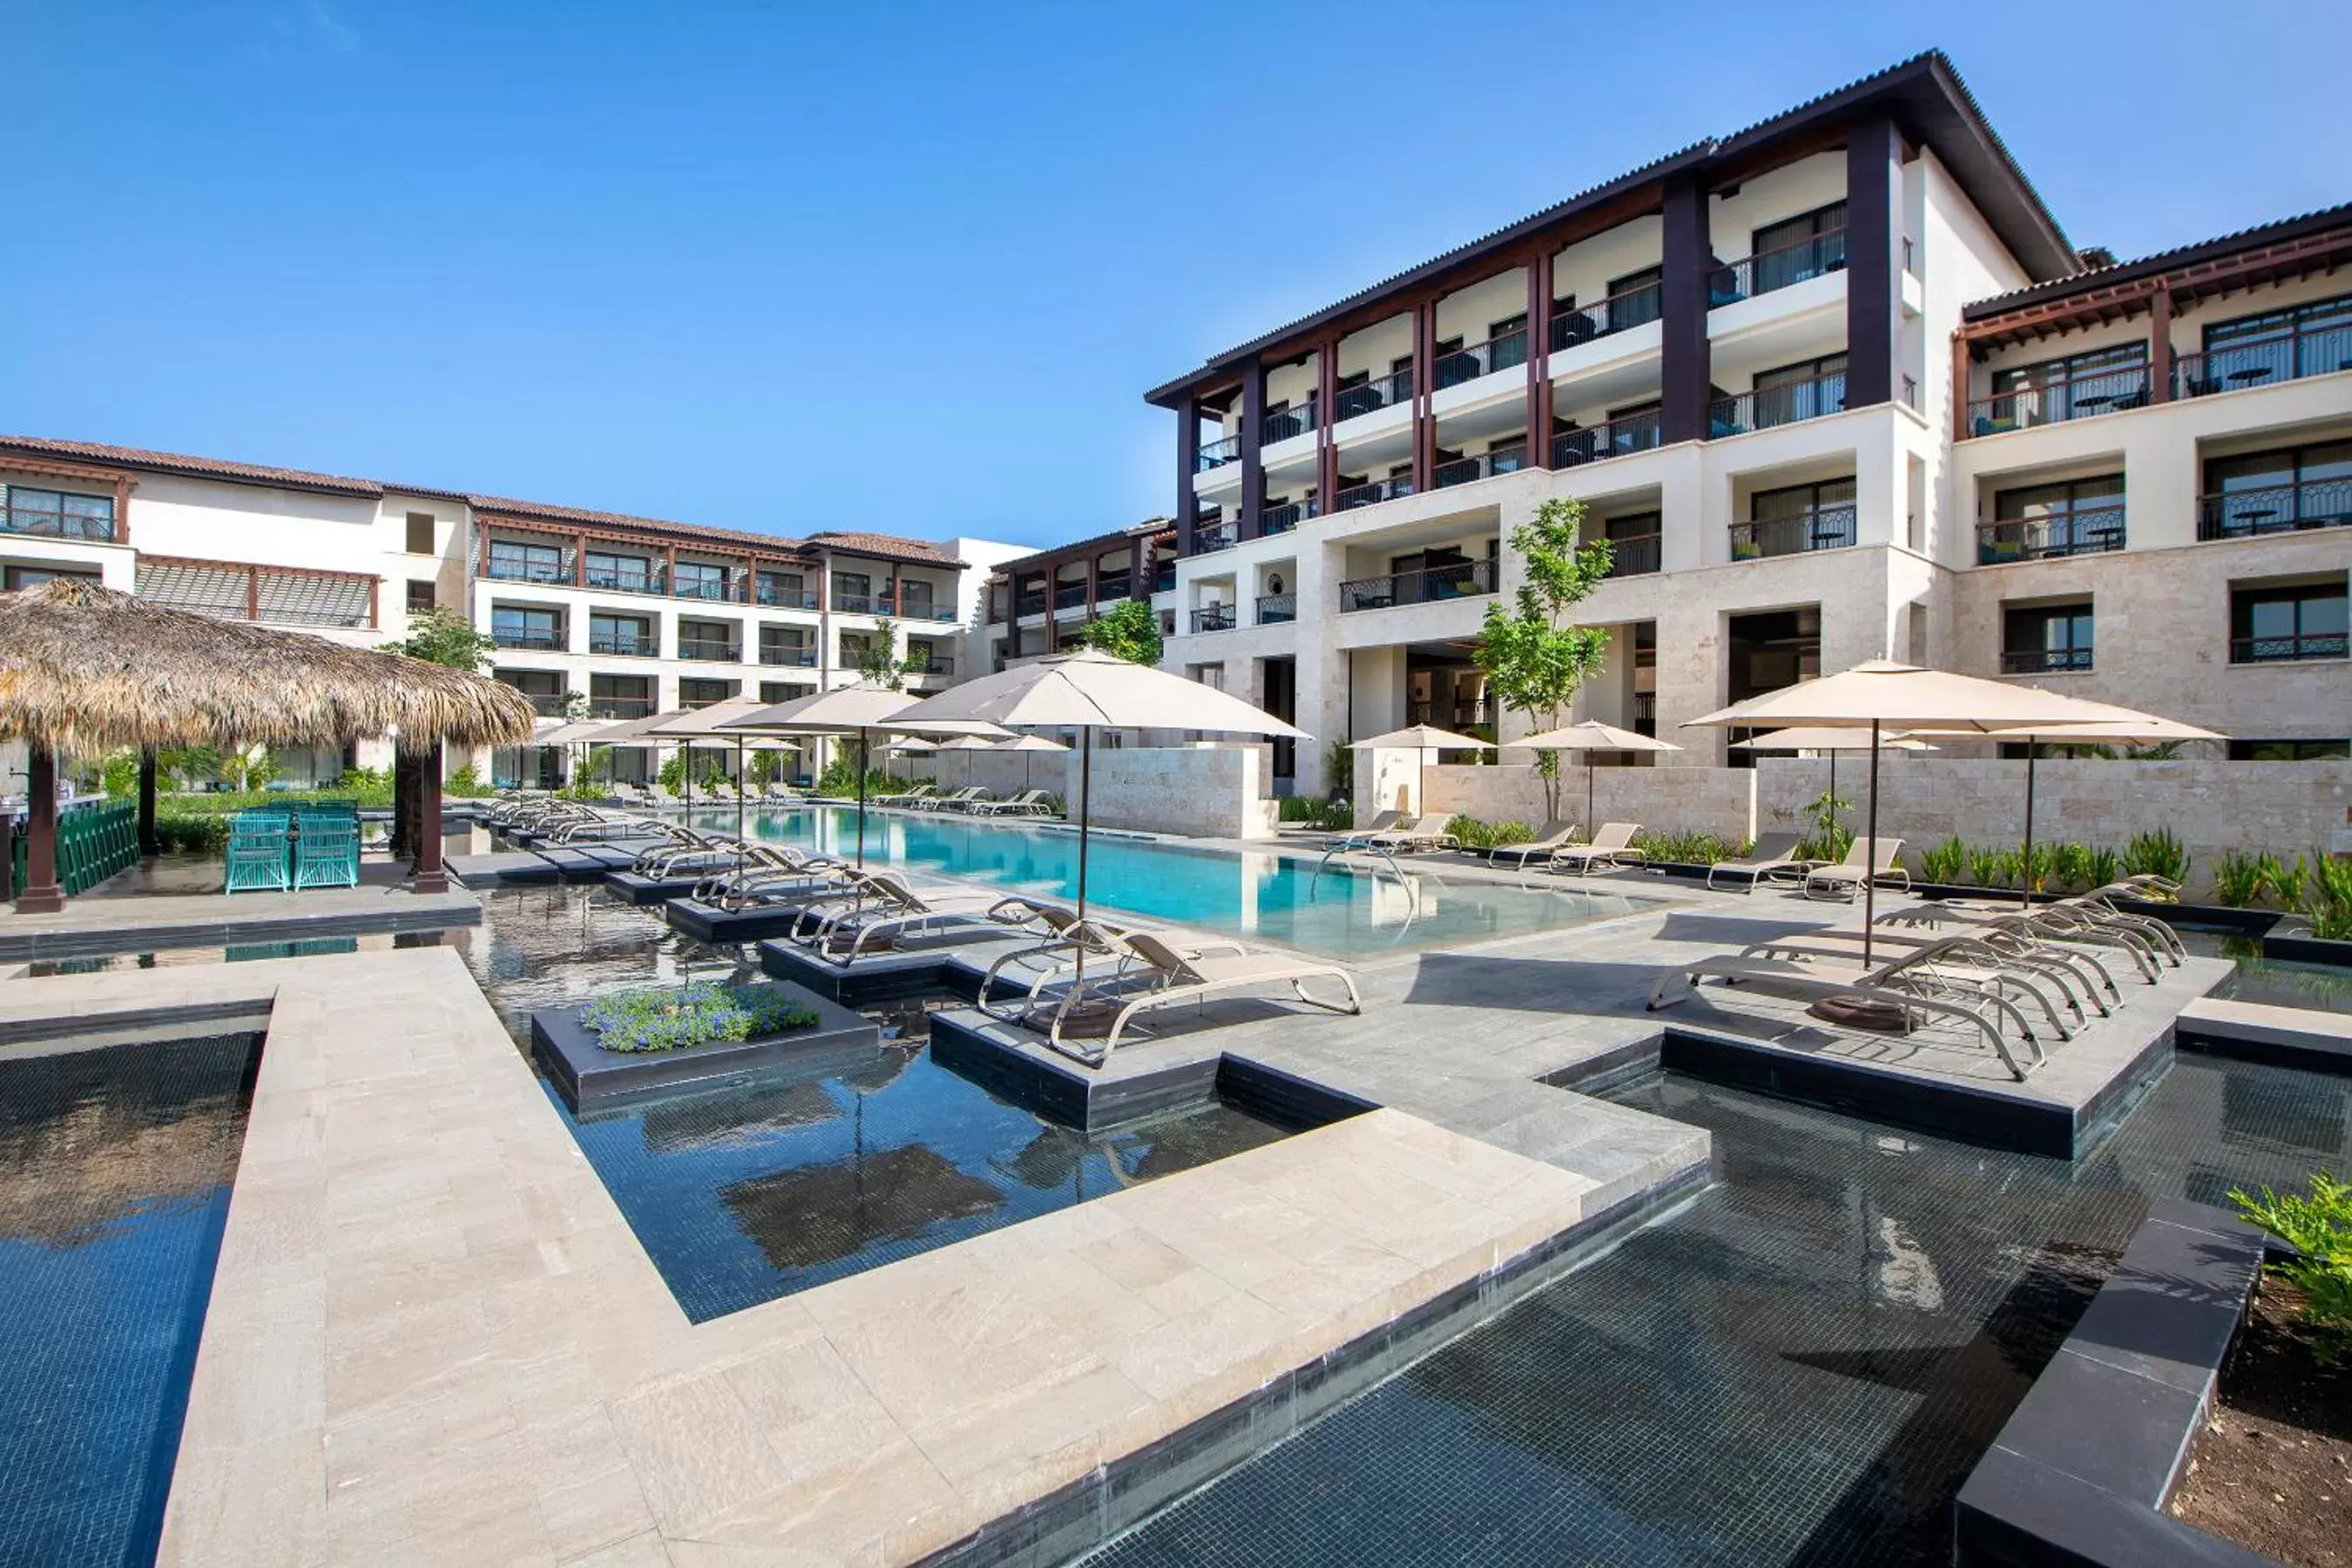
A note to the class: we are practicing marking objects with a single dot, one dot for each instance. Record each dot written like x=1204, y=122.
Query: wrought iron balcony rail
x=797, y=655
x=1633, y=555
x=1216, y=536
x=2301, y=645
x=1462, y=470
x=1284, y=423
x=1615, y=438
x=1214, y=618
x=1604, y=317
x=1275, y=608
x=1461, y=580
x=537, y=641
x=559, y=571
x=1507, y=352
x=1768, y=407
x=1070, y=596
x=1289, y=515
x=1820, y=528
x=718, y=591
x=610, y=580
x=2081, y=530
x=2276, y=509
x=936, y=664
x=788, y=598
x=2043, y=660
x=1779, y=268
x=2319, y=351
x=1111, y=590
x=1217, y=454
x=1164, y=579
x=1381, y=392
x=624, y=647
x=1032, y=604
x=1373, y=492
x=710, y=648
x=2054, y=403
x=621, y=707
x=60, y=524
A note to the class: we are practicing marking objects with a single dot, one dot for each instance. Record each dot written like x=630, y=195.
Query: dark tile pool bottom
x=2277, y=982
x=1801, y=1368
x=115, y=1167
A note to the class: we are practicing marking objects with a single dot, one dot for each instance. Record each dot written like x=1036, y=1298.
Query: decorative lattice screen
x=238, y=592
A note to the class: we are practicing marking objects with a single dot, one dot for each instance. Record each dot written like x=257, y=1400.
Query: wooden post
x=2160, y=345
x=150, y=846
x=1962, y=359
x=1326, y=413
x=398, y=843
x=1424, y=418
x=1538, y=450
x=431, y=878
x=42, y=896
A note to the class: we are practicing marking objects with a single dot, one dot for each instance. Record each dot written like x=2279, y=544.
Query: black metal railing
x=1282, y=519
x=546, y=705
x=788, y=598
x=2081, y=530
x=1462, y=470
x=1381, y=392
x=2276, y=509
x=2320, y=351
x=710, y=648
x=1284, y=423
x=627, y=580
x=2043, y=660
x=624, y=647
x=1615, y=438
x=1214, y=618
x=710, y=590
x=1777, y=268
x=1507, y=352
x=1393, y=489
x=1031, y=604
x=1461, y=580
x=527, y=637
x=2301, y=644
x=862, y=604
x=44, y=523
x=1633, y=555
x=1216, y=536
x=1217, y=454
x=936, y=664
x=1819, y=528
x=1111, y=590
x=1768, y=407
x=1617, y=313
x=531, y=571
x=620, y=707
x=2054, y=403
x=800, y=655
x=1275, y=608
x=1070, y=596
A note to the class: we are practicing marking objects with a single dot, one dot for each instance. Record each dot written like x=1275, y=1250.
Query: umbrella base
x=1858, y=1012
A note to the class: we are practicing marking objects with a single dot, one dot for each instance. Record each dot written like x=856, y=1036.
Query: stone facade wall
x=1721, y=801
x=1204, y=792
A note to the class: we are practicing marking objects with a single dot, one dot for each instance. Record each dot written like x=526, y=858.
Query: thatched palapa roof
x=83, y=668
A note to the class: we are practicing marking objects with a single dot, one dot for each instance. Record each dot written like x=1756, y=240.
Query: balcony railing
x=936, y=664
x=862, y=604
x=2084, y=531
x=1214, y=618
x=2301, y=645
x=652, y=580
x=1217, y=454
x=1284, y=423
x=1770, y=405
x=926, y=611
x=1369, y=494
x=1634, y=432
x=1289, y=515
x=720, y=591
x=2059, y=401
x=710, y=649
x=1272, y=609
x=1505, y=353
x=1462, y=470
x=800, y=656
x=2043, y=660
x=56, y=524
x=1032, y=604
x=624, y=647
x=1381, y=392
x=1216, y=536
x=1164, y=579
x=1633, y=555
x=788, y=598
x=1111, y=590
x=1617, y=313
x=621, y=707
x=2276, y=509
x=510, y=571
x=1070, y=596
x=2322, y=351
x=522, y=637
x=1777, y=268
x=546, y=705
x=1820, y=528
x=1461, y=580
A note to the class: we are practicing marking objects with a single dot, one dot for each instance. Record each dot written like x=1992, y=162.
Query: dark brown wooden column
x=431, y=876
x=1874, y=151
x=1961, y=360
x=1689, y=256
x=1424, y=421
x=2160, y=345
x=1139, y=566
x=42, y=896
x=1188, y=463
x=150, y=846
x=1326, y=399
x=1538, y=452
x=1253, y=499
x=396, y=843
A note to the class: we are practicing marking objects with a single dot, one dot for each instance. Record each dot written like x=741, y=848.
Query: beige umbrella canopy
x=966, y=743
x=1822, y=738
x=857, y=710
x=721, y=721
x=1592, y=735
x=1422, y=740
x=1029, y=745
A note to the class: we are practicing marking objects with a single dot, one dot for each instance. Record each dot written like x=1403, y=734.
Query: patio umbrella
x=1882, y=695
x=2145, y=728
x=1820, y=738
x=580, y=731
x=1424, y=739
x=858, y=709
x=909, y=746
x=966, y=743
x=1028, y=745
x=1086, y=691
x=1591, y=735
x=641, y=732
x=724, y=720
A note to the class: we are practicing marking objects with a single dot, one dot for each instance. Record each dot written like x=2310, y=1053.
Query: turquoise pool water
x=1262, y=896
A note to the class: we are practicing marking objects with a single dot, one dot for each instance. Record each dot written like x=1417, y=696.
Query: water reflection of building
x=822, y=1214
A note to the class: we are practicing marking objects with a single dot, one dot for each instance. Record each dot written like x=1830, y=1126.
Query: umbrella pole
x=1870, y=857
x=861, y=796
x=2025, y=870
x=1588, y=798
x=1086, y=796
x=739, y=788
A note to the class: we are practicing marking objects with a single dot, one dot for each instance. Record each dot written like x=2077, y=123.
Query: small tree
x=878, y=659
x=765, y=767
x=441, y=636
x=1535, y=657
x=1127, y=630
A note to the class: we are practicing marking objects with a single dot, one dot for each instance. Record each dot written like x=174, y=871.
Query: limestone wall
x=1721, y=801
x=1210, y=791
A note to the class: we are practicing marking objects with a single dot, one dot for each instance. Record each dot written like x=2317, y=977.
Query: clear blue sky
x=909, y=268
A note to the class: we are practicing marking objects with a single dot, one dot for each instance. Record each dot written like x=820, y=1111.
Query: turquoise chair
x=327, y=850
x=259, y=856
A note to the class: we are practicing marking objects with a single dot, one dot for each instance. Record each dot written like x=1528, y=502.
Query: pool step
x=2255, y=1032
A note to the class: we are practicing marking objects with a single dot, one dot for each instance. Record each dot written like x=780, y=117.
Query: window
x=420, y=594
x=58, y=513
x=915, y=599
x=784, y=588
x=1633, y=543
x=698, y=580
x=853, y=591
x=2270, y=624
x=782, y=691
x=626, y=573
x=1636, y=298
x=1804, y=389
x=707, y=639
x=785, y=645
x=1209, y=675
x=1795, y=518
x=1796, y=248
x=1507, y=342
x=2273, y=492
x=630, y=635
x=543, y=687
x=2039, y=638
x=703, y=693
x=2071, y=388
x=2289, y=750
x=518, y=563
x=420, y=534
x=513, y=626
x=2276, y=345
x=2076, y=517
x=620, y=696
x=19, y=578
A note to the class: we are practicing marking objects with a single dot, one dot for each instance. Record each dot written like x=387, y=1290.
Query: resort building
x=1837, y=386
x=621, y=616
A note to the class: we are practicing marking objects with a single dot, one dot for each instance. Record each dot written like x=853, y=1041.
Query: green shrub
x=191, y=833
x=2106, y=867
x=120, y=775
x=663, y=1019
x=1689, y=849
x=2320, y=1228
x=1944, y=862
x=2326, y=901
x=2008, y=869
x=2070, y=866
x=2157, y=854
x=2283, y=883
x=1831, y=837
x=2037, y=875
x=1477, y=835
x=2237, y=880
x=465, y=783
x=1984, y=866
x=1329, y=815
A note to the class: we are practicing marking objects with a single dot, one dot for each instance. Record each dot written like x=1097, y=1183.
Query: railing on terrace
x=802, y=656
x=620, y=707
x=1633, y=555
x=936, y=664
x=1820, y=528
x=2043, y=660
x=651, y=580
x=1216, y=536
x=1768, y=407
x=2301, y=645
x=1070, y=596
x=624, y=647
x=1617, y=313
x=1507, y=352
x=1284, y=423
x=2082, y=531
x=714, y=591
x=788, y=598
x=1217, y=454
x=2320, y=351
x=1031, y=604
x=1462, y=470
x=1214, y=618
x=512, y=570
x=1381, y=392
x=1377, y=490
x=1461, y=580
x=2276, y=509
x=60, y=524
x=929, y=612
x=2056, y=402
x=1289, y=515
x=536, y=641
x=1275, y=608
x=1779, y=268
x=862, y=604
x=1615, y=438
x=711, y=649
x=1111, y=590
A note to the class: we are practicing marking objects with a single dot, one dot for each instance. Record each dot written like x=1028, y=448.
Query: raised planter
x=590, y=1077
x=2295, y=944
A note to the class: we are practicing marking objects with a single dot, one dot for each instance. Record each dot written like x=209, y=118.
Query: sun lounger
x=1556, y=835
x=1368, y=833
x=1171, y=974
x=906, y=797
x=1844, y=880
x=945, y=802
x=1028, y=802
x=874, y=910
x=1774, y=856
x=1966, y=961
x=1611, y=848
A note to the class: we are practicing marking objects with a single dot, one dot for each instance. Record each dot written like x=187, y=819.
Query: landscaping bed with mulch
x=2272, y=1468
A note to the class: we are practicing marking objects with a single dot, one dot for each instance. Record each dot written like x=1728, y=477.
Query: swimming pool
x=1258, y=894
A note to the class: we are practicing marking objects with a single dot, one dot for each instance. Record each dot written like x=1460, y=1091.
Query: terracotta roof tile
x=199, y=467
x=888, y=546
